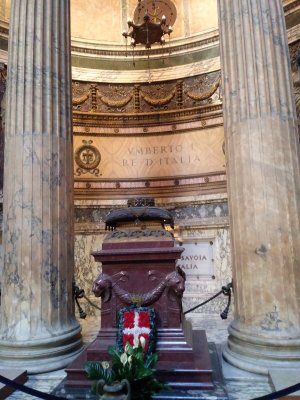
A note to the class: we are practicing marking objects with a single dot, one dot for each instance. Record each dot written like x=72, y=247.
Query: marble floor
x=238, y=385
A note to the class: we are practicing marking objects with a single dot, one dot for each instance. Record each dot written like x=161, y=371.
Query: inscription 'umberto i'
x=160, y=155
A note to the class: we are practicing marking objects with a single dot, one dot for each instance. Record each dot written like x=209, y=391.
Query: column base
x=44, y=355
x=259, y=354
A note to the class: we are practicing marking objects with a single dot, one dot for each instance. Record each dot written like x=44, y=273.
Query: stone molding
x=84, y=122
x=290, y=6
x=176, y=47
x=157, y=187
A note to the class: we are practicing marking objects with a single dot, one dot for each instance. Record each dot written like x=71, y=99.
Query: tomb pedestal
x=138, y=267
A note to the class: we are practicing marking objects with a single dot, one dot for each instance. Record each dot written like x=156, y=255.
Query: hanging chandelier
x=152, y=20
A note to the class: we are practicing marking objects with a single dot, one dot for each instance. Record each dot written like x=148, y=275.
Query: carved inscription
x=154, y=155
x=161, y=155
x=197, y=259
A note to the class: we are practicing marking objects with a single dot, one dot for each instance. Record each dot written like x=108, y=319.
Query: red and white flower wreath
x=134, y=323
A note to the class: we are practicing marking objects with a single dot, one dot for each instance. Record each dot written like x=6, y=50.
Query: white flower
x=129, y=359
x=105, y=364
x=143, y=341
x=123, y=358
x=127, y=347
x=135, y=342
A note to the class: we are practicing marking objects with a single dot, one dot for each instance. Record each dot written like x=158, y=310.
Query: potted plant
x=129, y=368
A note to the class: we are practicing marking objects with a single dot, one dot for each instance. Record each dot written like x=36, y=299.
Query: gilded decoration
x=294, y=49
x=204, y=95
x=81, y=99
x=114, y=103
x=127, y=99
x=81, y=96
x=158, y=102
x=87, y=157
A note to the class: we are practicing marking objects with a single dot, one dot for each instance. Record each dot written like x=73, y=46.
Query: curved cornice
x=139, y=76
x=122, y=120
x=123, y=64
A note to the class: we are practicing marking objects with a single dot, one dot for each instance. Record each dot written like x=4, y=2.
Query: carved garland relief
x=156, y=97
x=105, y=284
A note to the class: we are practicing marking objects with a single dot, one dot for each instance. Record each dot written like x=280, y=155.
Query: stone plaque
x=197, y=259
x=142, y=157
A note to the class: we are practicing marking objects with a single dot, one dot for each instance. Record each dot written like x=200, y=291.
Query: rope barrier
x=280, y=393
x=226, y=290
x=79, y=294
x=203, y=303
x=26, y=389
x=91, y=303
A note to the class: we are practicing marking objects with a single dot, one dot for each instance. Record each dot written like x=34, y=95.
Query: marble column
x=3, y=70
x=38, y=329
x=262, y=154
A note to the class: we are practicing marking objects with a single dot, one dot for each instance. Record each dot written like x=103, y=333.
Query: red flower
x=128, y=319
x=127, y=338
x=144, y=319
x=136, y=323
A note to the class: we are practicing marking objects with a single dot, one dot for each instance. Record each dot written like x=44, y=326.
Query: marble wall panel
x=86, y=73
x=87, y=270
x=198, y=287
x=200, y=211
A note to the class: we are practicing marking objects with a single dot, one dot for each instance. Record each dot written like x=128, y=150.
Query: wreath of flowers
x=136, y=322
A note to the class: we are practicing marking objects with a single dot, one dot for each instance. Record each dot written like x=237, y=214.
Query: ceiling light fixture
x=152, y=20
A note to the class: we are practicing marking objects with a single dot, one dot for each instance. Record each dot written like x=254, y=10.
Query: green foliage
x=97, y=370
x=129, y=365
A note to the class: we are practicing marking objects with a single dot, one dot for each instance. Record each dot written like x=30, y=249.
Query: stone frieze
x=144, y=98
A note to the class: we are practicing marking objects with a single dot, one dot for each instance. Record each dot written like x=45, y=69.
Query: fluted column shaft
x=262, y=153
x=37, y=308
